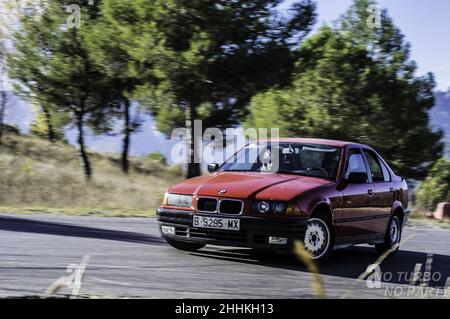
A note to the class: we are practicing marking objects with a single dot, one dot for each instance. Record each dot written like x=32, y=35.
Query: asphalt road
x=128, y=259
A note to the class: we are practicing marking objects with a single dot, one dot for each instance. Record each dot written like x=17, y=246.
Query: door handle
x=370, y=192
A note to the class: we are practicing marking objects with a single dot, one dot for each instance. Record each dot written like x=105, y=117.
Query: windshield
x=288, y=158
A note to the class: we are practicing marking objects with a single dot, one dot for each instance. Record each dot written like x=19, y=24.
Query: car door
x=384, y=191
x=355, y=216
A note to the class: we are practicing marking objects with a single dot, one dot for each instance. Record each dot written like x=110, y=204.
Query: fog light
x=167, y=230
x=278, y=240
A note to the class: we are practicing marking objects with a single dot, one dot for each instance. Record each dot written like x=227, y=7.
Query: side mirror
x=213, y=167
x=357, y=178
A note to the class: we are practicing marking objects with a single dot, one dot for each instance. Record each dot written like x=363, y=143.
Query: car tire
x=319, y=237
x=392, y=237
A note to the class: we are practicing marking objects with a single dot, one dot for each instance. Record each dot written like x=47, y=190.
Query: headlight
x=279, y=208
x=179, y=200
x=264, y=207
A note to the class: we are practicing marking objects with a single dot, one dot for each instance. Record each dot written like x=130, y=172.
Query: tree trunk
x=3, y=98
x=51, y=135
x=84, y=157
x=193, y=168
x=126, y=138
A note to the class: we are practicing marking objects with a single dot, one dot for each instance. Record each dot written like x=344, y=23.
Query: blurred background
x=90, y=91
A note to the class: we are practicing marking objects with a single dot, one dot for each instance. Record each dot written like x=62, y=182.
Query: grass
x=419, y=218
x=40, y=177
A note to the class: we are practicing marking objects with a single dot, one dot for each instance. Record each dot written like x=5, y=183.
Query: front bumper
x=254, y=231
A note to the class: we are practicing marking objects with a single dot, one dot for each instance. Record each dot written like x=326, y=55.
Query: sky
x=425, y=24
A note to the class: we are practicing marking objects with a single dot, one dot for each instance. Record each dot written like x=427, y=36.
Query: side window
x=355, y=162
x=378, y=169
x=386, y=174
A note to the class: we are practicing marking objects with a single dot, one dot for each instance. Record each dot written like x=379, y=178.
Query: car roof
x=334, y=143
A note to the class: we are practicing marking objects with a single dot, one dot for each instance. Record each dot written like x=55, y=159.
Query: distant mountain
x=440, y=117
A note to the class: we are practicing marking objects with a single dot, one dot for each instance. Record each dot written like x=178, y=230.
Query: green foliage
x=157, y=157
x=52, y=65
x=108, y=54
x=41, y=126
x=436, y=187
x=273, y=108
x=356, y=83
x=206, y=59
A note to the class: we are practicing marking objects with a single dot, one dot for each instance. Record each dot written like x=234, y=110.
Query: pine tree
x=204, y=59
x=52, y=65
x=355, y=81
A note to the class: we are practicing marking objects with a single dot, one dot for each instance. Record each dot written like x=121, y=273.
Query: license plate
x=216, y=223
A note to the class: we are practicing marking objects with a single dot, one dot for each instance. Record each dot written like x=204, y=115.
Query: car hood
x=242, y=185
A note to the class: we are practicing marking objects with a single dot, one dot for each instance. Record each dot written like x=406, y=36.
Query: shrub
x=436, y=187
x=10, y=129
x=157, y=157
